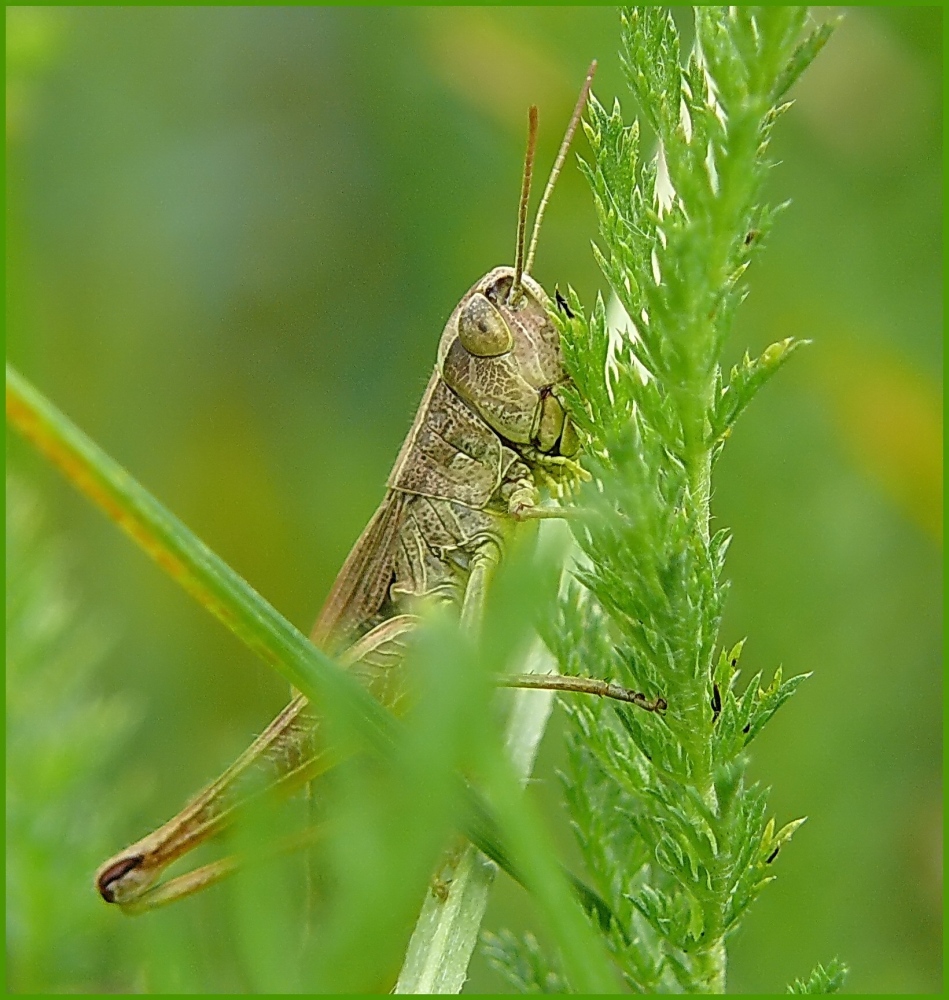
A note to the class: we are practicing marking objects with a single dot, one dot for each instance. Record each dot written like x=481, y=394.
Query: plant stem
x=710, y=968
x=447, y=929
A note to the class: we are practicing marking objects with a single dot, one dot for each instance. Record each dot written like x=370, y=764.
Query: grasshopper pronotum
x=489, y=431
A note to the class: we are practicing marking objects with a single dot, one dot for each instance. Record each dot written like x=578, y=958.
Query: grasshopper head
x=501, y=353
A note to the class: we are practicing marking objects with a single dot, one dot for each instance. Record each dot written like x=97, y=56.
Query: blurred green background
x=233, y=238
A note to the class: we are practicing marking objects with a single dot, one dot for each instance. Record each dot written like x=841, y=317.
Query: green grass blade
x=202, y=573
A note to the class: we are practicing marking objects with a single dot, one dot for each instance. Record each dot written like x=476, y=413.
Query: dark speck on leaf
x=772, y=856
x=562, y=304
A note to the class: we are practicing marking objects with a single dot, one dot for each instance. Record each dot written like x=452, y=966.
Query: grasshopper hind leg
x=286, y=756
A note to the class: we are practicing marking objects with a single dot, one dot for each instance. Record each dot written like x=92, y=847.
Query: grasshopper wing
x=362, y=586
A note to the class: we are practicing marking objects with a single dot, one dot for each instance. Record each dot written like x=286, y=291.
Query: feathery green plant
x=822, y=980
x=676, y=840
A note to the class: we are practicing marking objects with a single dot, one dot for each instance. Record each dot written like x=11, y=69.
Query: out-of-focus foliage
x=822, y=980
x=64, y=786
x=234, y=235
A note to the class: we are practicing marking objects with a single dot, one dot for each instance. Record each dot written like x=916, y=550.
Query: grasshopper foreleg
x=523, y=502
x=583, y=685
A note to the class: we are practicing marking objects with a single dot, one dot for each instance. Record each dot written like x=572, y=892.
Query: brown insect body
x=488, y=427
x=489, y=431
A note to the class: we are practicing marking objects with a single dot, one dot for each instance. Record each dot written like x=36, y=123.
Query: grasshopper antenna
x=522, y=208
x=558, y=165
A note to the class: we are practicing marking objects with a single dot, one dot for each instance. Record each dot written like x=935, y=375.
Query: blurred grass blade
x=447, y=930
x=181, y=554
x=448, y=927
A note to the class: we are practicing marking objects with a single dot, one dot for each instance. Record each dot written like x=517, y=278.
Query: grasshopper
x=489, y=432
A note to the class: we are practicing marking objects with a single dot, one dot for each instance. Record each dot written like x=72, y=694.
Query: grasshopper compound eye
x=482, y=330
